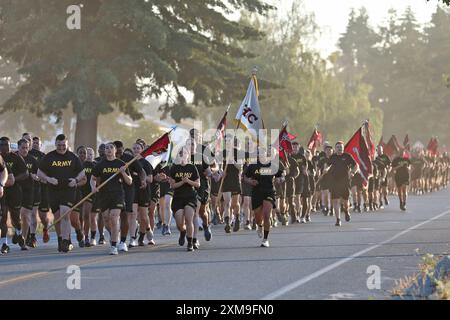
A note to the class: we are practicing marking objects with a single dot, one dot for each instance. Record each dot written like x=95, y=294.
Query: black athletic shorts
x=300, y=184
x=129, y=198
x=290, y=187
x=178, y=203
x=44, y=205
x=232, y=186
x=61, y=197
x=215, y=187
x=399, y=181
x=259, y=196
x=142, y=197
x=340, y=189
x=111, y=200
x=155, y=192
x=246, y=189
x=324, y=183
x=27, y=197
x=13, y=196
x=203, y=194
x=306, y=187
x=85, y=192
x=36, y=194
x=164, y=189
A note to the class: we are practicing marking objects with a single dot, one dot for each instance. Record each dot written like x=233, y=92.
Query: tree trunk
x=86, y=132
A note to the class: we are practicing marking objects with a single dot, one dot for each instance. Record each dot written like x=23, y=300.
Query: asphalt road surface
x=311, y=261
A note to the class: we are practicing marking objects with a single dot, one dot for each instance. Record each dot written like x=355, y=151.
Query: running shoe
x=227, y=228
x=24, y=248
x=113, y=251
x=237, y=225
x=308, y=219
x=79, y=236
x=254, y=225
x=338, y=223
x=265, y=243
x=182, y=238
x=133, y=243
x=15, y=238
x=33, y=241
x=21, y=241
x=207, y=233
x=347, y=216
x=81, y=244
x=65, y=246
x=196, y=244
x=275, y=223
x=101, y=240
x=168, y=232
x=5, y=248
x=302, y=220
x=93, y=242
x=190, y=247
x=122, y=247
x=28, y=241
x=149, y=235
x=248, y=226
x=163, y=229
x=151, y=242
x=159, y=225
x=87, y=244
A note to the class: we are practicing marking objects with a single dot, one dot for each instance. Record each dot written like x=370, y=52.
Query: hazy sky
x=332, y=15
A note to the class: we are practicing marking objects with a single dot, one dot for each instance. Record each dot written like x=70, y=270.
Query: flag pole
x=219, y=194
x=98, y=188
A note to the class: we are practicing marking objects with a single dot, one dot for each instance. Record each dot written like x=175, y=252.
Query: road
x=312, y=261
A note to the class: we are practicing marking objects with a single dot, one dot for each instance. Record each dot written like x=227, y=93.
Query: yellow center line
x=35, y=275
x=23, y=278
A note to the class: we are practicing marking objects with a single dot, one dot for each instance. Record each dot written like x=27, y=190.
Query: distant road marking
x=23, y=278
x=294, y=285
x=82, y=263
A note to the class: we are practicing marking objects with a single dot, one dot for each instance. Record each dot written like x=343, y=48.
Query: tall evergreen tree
x=124, y=51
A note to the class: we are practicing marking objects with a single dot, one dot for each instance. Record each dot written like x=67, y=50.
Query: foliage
x=124, y=51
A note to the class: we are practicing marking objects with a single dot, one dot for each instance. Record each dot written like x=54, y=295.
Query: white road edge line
x=282, y=291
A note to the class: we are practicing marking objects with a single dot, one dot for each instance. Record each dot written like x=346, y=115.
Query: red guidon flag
x=159, y=146
x=392, y=148
x=315, y=141
x=285, y=144
x=357, y=148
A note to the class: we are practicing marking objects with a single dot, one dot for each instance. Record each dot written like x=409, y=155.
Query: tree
x=124, y=51
x=310, y=92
